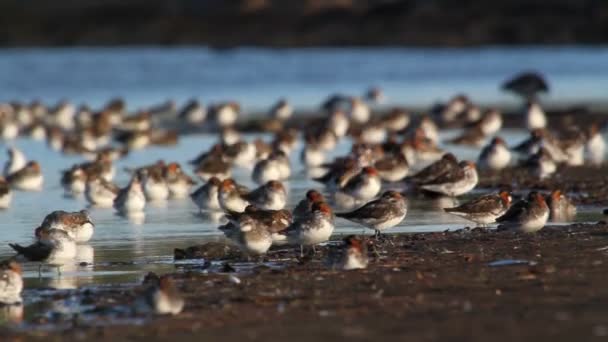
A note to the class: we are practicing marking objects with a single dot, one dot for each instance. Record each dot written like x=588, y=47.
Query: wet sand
x=427, y=286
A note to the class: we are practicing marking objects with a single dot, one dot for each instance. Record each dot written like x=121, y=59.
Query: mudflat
x=469, y=284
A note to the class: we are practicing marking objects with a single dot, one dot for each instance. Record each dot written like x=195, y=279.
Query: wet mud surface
x=462, y=285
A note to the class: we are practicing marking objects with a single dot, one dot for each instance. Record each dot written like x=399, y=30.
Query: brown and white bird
x=485, y=209
x=250, y=235
x=363, y=186
x=54, y=246
x=535, y=116
x=380, y=214
x=473, y=136
x=281, y=110
x=561, y=208
x=456, y=182
x=496, y=156
x=11, y=283
x=447, y=163
x=351, y=255
x=16, y=161
x=304, y=207
x=251, y=229
x=131, y=199
x=275, y=167
x=160, y=296
x=178, y=182
x=225, y=114
x=206, y=196
x=213, y=166
x=99, y=192
x=392, y=168
x=312, y=229
x=74, y=181
x=270, y=196
x=154, y=184
x=77, y=224
x=595, y=145
x=527, y=215
x=232, y=197
x=541, y=164
x=29, y=178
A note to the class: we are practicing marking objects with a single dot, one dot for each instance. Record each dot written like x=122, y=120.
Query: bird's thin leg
x=314, y=250
x=59, y=271
x=301, y=251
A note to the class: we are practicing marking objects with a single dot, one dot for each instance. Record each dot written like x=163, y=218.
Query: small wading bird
x=381, y=214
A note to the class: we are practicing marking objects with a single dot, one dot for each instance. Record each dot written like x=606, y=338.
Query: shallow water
x=121, y=250
x=257, y=77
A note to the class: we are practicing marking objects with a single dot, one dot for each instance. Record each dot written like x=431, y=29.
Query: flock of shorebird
x=391, y=156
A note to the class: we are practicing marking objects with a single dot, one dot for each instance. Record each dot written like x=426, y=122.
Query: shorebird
x=213, y=167
x=160, y=296
x=232, y=197
x=311, y=229
x=496, y=156
x=358, y=111
x=392, y=168
x=396, y=120
x=352, y=255
x=177, y=181
x=11, y=283
x=193, y=113
x=541, y=164
x=304, y=207
x=595, y=145
x=225, y=114
x=131, y=198
x=363, y=186
x=446, y=164
x=560, y=207
x=535, y=116
x=281, y=110
x=78, y=225
x=54, y=247
x=456, y=182
x=491, y=122
x=276, y=167
x=312, y=154
x=16, y=161
x=28, y=178
x=526, y=84
x=337, y=122
x=485, y=209
x=270, y=196
x=99, y=192
x=380, y=214
x=206, y=196
x=527, y=215
x=250, y=237
x=241, y=154
x=255, y=230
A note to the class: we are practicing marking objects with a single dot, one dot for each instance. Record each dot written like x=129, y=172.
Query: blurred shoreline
x=307, y=23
